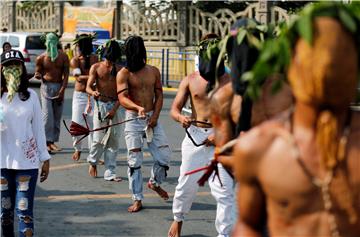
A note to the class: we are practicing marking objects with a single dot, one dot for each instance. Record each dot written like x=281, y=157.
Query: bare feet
x=76, y=155
x=51, y=152
x=162, y=193
x=175, y=229
x=92, y=171
x=136, y=206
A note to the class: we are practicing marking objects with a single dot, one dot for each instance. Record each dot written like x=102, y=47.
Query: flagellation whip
x=79, y=130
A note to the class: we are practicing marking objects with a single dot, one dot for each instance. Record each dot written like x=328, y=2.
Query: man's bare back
x=51, y=71
x=221, y=105
x=100, y=73
x=287, y=187
x=79, y=62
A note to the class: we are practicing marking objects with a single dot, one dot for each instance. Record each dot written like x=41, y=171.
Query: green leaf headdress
x=276, y=53
x=241, y=46
x=84, y=36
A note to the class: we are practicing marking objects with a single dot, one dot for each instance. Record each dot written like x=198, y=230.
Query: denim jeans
x=106, y=142
x=17, y=192
x=158, y=148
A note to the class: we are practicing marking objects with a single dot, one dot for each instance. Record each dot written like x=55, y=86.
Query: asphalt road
x=70, y=203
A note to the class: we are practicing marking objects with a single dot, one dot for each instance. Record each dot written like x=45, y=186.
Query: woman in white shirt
x=23, y=145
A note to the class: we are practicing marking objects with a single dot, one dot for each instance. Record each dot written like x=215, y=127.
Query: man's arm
x=248, y=153
x=122, y=86
x=252, y=220
x=39, y=67
x=158, y=103
x=76, y=71
x=91, y=81
x=65, y=74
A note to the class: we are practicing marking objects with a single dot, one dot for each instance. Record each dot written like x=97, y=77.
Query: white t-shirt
x=23, y=142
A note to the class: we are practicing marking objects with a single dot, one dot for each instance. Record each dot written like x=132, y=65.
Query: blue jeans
x=17, y=192
x=158, y=148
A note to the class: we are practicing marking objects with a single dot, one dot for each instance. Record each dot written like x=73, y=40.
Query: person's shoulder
x=223, y=94
x=41, y=56
x=124, y=70
x=193, y=75
x=252, y=145
x=152, y=68
x=97, y=65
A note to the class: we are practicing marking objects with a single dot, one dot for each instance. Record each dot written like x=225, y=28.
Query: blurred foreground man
x=303, y=169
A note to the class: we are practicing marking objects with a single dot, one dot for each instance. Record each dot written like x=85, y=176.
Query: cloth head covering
x=208, y=66
x=112, y=52
x=135, y=52
x=84, y=42
x=241, y=56
x=12, y=73
x=51, y=44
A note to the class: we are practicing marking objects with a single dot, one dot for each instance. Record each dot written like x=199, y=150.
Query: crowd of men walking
x=292, y=153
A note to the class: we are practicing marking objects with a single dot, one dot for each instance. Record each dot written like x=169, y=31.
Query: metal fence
x=173, y=66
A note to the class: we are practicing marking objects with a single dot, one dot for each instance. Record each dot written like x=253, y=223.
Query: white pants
x=80, y=100
x=194, y=157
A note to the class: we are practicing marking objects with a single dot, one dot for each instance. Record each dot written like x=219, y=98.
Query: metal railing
x=173, y=66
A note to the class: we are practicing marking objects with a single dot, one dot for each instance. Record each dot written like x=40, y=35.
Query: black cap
x=12, y=55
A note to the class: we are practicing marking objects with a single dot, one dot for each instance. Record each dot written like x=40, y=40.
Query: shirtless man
x=198, y=150
x=82, y=102
x=226, y=101
x=140, y=92
x=52, y=68
x=106, y=112
x=305, y=167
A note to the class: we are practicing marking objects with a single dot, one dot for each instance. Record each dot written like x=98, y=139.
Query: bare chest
x=105, y=79
x=57, y=65
x=141, y=83
x=292, y=194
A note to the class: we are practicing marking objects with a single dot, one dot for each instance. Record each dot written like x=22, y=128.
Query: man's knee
x=134, y=159
x=135, y=150
x=164, y=153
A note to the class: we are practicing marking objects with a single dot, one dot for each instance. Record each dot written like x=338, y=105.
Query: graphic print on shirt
x=30, y=149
